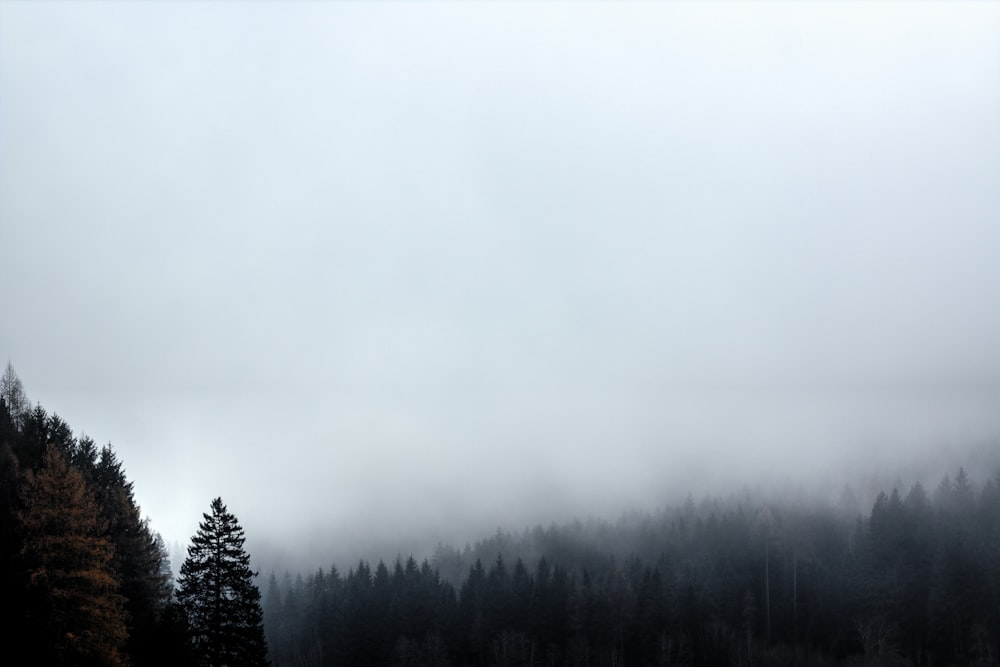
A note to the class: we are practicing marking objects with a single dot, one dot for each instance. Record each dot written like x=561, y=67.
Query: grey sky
x=380, y=267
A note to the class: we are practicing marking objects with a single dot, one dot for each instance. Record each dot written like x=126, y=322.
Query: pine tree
x=219, y=596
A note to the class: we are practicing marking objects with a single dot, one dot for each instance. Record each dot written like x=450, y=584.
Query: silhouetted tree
x=219, y=596
x=139, y=562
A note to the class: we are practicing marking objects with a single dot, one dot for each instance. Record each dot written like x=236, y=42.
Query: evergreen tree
x=139, y=561
x=219, y=596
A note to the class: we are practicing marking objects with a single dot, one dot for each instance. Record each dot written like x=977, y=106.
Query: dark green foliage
x=219, y=596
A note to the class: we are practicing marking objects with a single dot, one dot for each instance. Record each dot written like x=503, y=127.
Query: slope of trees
x=83, y=578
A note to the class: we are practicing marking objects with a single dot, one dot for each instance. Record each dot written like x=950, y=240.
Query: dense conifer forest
x=914, y=579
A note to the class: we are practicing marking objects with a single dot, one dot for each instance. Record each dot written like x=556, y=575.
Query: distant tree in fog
x=12, y=393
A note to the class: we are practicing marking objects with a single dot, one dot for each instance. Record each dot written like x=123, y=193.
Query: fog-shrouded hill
x=388, y=276
x=376, y=271
x=909, y=579
x=849, y=480
x=895, y=566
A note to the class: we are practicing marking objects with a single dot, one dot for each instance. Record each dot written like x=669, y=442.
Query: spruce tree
x=219, y=596
x=138, y=561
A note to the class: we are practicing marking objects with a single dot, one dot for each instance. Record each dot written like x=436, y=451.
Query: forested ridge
x=910, y=579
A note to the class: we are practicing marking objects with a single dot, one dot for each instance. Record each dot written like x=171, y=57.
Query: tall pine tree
x=219, y=596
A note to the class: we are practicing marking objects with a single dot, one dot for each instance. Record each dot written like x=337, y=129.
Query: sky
x=384, y=271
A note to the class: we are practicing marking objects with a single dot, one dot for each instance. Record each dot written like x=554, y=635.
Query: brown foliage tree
x=73, y=599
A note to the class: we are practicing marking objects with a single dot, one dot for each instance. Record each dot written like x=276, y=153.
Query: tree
x=12, y=393
x=73, y=605
x=11, y=589
x=219, y=596
x=138, y=561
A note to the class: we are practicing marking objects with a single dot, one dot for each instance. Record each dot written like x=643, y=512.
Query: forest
x=911, y=579
x=725, y=582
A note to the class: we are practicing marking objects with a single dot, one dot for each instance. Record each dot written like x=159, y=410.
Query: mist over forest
x=419, y=533
x=768, y=575
x=500, y=333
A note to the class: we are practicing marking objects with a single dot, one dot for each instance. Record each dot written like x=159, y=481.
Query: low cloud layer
x=374, y=270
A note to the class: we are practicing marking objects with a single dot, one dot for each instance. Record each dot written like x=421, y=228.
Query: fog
x=386, y=274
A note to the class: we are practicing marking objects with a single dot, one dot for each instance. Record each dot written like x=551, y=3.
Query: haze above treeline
x=848, y=488
x=383, y=274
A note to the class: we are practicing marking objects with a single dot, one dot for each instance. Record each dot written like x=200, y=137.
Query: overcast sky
x=368, y=269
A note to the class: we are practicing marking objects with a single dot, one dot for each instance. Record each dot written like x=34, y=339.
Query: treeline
x=84, y=580
x=913, y=581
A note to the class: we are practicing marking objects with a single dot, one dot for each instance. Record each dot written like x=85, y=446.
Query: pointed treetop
x=12, y=393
